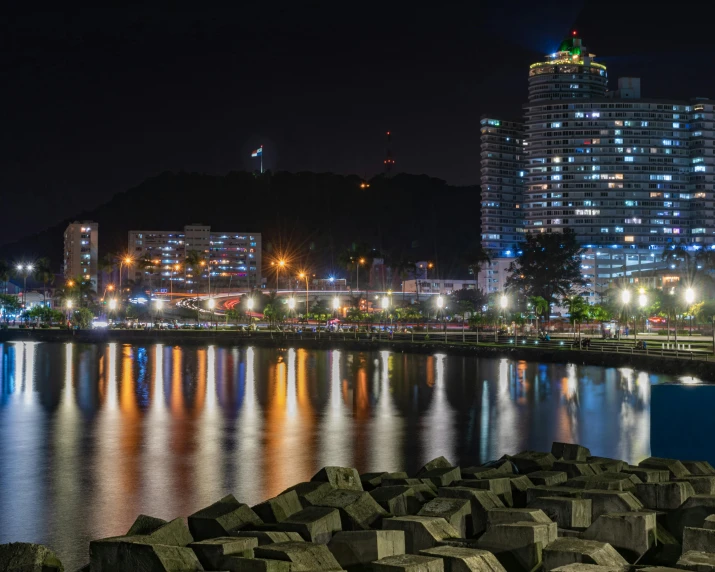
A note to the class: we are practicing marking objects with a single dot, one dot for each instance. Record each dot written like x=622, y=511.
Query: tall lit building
x=163, y=258
x=631, y=175
x=502, y=185
x=81, y=241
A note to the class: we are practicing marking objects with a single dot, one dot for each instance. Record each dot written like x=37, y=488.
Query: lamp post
x=212, y=305
x=68, y=305
x=440, y=305
x=626, y=300
x=125, y=260
x=112, y=305
x=279, y=265
x=690, y=298
x=249, y=305
x=304, y=275
x=291, y=305
x=385, y=309
x=157, y=306
x=503, y=303
x=642, y=301
x=26, y=269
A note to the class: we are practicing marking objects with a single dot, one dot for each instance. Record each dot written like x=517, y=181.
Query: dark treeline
x=312, y=216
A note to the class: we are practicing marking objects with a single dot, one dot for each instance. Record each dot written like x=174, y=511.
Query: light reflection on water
x=93, y=435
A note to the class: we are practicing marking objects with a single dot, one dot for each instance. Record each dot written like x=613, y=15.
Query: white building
x=81, y=242
x=492, y=276
x=232, y=258
x=438, y=286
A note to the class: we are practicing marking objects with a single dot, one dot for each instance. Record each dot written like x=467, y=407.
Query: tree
x=678, y=256
x=476, y=257
x=320, y=310
x=82, y=318
x=44, y=314
x=9, y=304
x=549, y=266
x=4, y=274
x=578, y=311
x=43, y=273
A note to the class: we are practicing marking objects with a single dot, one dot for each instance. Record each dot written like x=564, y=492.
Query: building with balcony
x=81, y=243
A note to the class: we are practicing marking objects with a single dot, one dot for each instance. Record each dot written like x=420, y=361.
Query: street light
x=212, y=305
x=440, y=305
x=690, y=298
x=68, y=305
x=26, y=268
x=112, y=304
x=642, y=302
x=385, y=305
x=503, y=303
x=125, y=260
x=626, y=300
x=304, y=275
x=291, y=304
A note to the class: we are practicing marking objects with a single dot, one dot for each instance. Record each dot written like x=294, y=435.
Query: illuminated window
x=628, y=238
x=628, y=159
x=676, y=125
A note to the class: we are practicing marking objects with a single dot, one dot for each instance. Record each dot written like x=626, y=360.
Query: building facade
x=632, y=176
x=186, y=258
x=438, y=286
x=81, y=243
x=502, y=185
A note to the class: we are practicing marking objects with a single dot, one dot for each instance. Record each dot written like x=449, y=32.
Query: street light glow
x=503, y=301
x=336, y=303
x=291, y=303
x=249, y=303
x=642, y=299
x=440, y=301
x=626, y=296
x=68, y=304
x=690, y=296
x=112, y=304
x=212, y=303
x=385, y=302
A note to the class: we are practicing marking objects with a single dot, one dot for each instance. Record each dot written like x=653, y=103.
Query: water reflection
x=92, y=435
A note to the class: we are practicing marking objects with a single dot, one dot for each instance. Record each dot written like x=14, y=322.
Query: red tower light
x=574, y=32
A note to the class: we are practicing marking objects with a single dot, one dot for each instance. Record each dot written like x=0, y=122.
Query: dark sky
x=97, y=100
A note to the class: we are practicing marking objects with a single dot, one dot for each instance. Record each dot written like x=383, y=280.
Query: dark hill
x=415, y=216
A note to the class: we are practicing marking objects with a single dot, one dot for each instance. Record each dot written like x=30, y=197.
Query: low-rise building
x=438, y=286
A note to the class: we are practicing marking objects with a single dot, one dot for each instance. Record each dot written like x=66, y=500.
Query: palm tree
x=678, y=255
x=43, y=273
x=4, y=273
x=578, y=310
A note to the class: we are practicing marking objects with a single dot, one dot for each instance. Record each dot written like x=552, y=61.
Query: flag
x=258, y=152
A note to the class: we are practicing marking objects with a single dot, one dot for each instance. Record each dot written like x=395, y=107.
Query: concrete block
x=339, y=477
x=559, y=491
x=631, y=533
x=421, y=532
x=569, y=451
x=397, y=500
x=608, y=465
x=518, y=546
x=409, y=563
x=676, y=468
x=158, y=531
x=664, y=496
x=530, y=461
x=548, y=478
x=145, y=524
x=698, y=561
x=606, y=481
x=242, y=564
x=699, y=467
x=564, y=511
x=603, y=502
x=500, y=486
x=27, y=557
x=702, y=484
x=361, y=547
x=457, y=559
x=574, y=468
x=498, y=469
x=438, y=463
x=443, y=477
x=311, y=493
x=564, y=551
x=269, y=536
x=648, y=475
x=211, y=553
x=358, y=510
x=510, y=515
x=303, y=556
x=130, y=553
x=220, y=518
x=692, y=513
x=370, y=481
x=698, y=539
x=481, y=501
x=579, y=567
x=278, y=508
x=314, y=524
x=457, y=512
x=709, y=522
x=519, y=487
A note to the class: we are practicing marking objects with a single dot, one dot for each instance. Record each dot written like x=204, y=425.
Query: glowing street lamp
x=26, y=269
x=626, y=300
x=690, y=298
x=113, y=304
x=642, y=302
x=304, y=275
x=125, y=261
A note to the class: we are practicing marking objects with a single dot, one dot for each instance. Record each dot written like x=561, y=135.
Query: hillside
x=415, y=216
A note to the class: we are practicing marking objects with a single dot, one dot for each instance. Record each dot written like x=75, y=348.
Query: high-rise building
x=502, y=185
x=81, y=242
x=631, y=175
x=232, y=258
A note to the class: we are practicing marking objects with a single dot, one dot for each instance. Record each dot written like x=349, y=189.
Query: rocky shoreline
x=562, y=510
x=653, y=363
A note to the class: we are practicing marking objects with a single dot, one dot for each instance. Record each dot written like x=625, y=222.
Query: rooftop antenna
x=389, y=161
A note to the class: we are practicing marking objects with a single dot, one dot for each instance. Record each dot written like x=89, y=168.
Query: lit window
x=628, y=159
x=676, y=125
x=628, y=238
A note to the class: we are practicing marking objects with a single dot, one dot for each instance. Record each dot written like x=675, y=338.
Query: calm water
x=91, y=436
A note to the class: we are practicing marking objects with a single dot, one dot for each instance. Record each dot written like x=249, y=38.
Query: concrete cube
x=500, y=486
x=548, y=478
x=358, y=510
x=158, y=531
x=438, y=463
x=579, y=567
x=314, y=524
x=361, y=547
x=648, y=475
x=557, y=491
x=564, y=551
x=510, y=515
x=709, y=522
x=370, y=481
x=631, y=533
x=569, y=451
x=269, y=536
x=443, y=477
x=606, y=464
x=699, y=467
x=399, y=500
x=311, y=493
x=664, y=496
x=564, y=511
x=606, y=481
x=220, y=518
x=574, y=468
x=339, y=477
x=519, y=545
x=130, y=553
x=27, y=557
x=519, y=487
x=698, y=561
x=457, y=559
x=278, y=508
x=481, y=501
x=211, y=553
x=702, y=484
x=499, y=469
x=603, y=502
x=698, y=539
x=457, y=512
x=242, y=564
x=676, y=469
x=530, y=461
x=303, y=556
x=409, y=563
x=421, y=532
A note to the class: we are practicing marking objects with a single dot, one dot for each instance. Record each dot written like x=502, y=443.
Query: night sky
x=96, y=101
